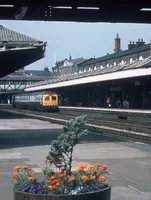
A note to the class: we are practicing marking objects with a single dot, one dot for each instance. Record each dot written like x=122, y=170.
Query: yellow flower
x=92, y=177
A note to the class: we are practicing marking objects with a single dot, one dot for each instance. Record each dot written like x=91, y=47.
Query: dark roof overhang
x=16, y=58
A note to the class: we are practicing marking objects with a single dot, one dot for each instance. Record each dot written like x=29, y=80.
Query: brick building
x=135, y=50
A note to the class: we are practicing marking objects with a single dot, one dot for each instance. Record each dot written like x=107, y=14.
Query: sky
x=78, y=39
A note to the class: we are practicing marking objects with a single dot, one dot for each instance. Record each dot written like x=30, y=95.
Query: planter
x=103, y=194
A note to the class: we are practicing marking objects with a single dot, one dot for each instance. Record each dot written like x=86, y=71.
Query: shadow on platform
x=12, y=138
x=23, y=138
x=6, y=115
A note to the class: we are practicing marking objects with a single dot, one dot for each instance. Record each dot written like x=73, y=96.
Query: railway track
x=122, y=129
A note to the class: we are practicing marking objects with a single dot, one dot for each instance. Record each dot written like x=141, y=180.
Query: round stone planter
x=103, y=194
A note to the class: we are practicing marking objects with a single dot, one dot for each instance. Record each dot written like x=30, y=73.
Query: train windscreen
x=53, y=98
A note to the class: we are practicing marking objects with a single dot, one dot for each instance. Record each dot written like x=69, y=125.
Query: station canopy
x=18, y=50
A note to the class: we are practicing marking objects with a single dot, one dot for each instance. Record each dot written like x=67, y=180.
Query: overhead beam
x=109, y=11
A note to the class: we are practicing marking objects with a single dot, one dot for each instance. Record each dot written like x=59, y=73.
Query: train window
x=47, y=98
x=53, y=98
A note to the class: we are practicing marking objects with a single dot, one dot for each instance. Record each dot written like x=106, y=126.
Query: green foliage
x=61, y=150
x=48, y=172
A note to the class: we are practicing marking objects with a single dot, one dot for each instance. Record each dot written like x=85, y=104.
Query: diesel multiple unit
x=46, y=101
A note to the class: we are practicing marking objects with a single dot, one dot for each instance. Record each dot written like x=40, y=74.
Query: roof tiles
x=8, y=35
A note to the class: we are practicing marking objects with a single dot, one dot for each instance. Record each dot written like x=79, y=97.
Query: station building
x=67, y=66
x=125, y=74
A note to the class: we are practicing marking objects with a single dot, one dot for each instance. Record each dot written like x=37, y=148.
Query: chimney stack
x=117, y=44
x=131, y=45
x=140, y=42
x=70, y=58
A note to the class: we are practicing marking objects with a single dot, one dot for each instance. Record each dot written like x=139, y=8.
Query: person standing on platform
x=108, y=101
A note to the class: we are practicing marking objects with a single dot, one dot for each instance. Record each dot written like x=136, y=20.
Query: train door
x=54, y=100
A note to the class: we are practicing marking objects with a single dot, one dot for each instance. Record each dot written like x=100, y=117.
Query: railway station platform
x=128, y=124
x=128, y=162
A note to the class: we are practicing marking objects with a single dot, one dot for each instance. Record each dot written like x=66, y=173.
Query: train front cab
x=50, y=102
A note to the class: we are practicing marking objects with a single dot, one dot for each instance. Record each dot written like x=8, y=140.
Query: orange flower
x=31, y=178
x=90, y=167
x=72, y=179
x=49, y=182
x=52, y=177
x=15, y=176
x=80, y=169
x=58, y=184
x=84, y=178
x=92, y=177
x=17, y=168
x=24, y=167
x=98, y=165
x=50, y=187
x=102, y=178
x=104, y=167
x=60, y=175
x=83, y=166
x=50, y=162
x=54, y=182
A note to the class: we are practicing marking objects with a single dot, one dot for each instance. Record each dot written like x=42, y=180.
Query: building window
x=131, y=60
x=122, y=62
